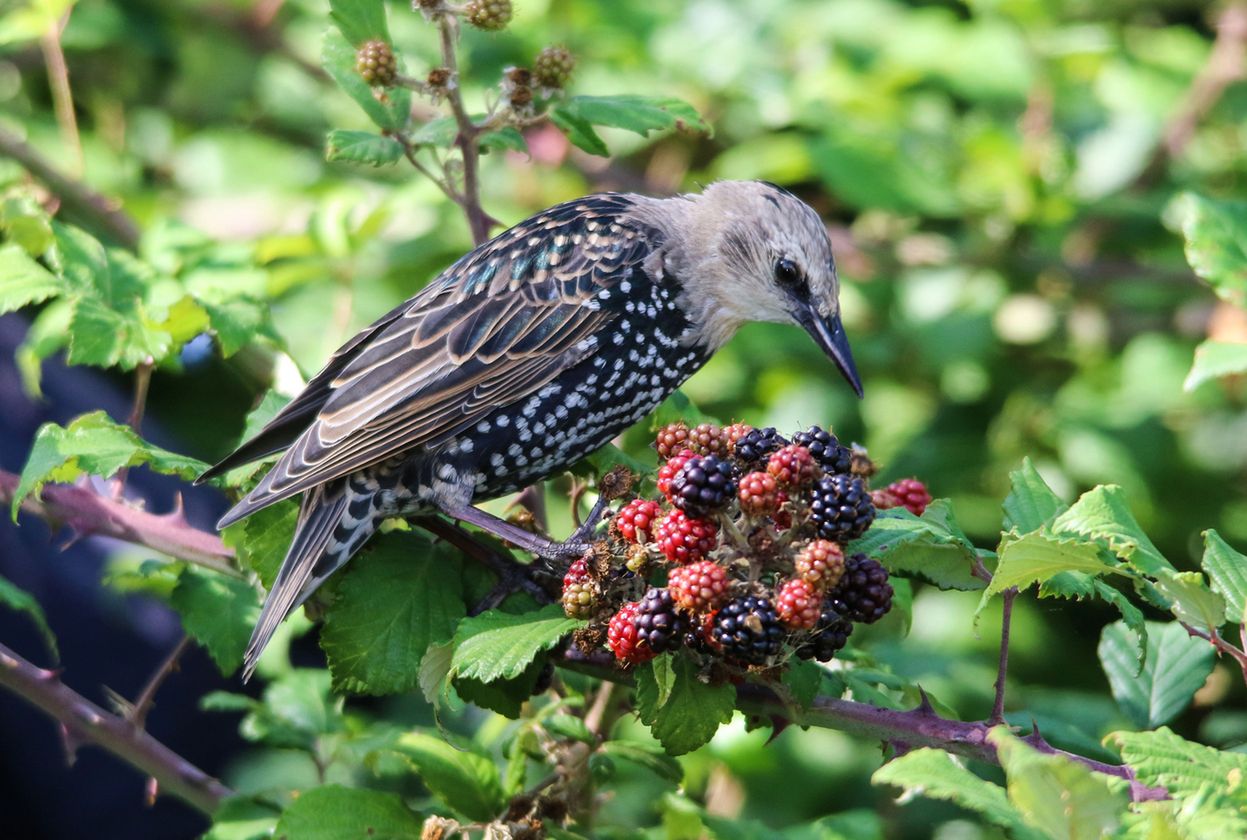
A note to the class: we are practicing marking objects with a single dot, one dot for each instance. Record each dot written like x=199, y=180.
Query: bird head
x=756, y=252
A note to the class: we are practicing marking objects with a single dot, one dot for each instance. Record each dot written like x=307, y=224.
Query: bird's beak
x=828, y=334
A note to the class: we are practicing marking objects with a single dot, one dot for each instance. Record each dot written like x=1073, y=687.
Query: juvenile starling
x=527, y=354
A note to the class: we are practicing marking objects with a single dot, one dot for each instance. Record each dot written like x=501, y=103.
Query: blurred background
x=1000, y=179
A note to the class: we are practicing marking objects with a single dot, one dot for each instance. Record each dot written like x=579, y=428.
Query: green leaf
x=1031, y=504
x=362, y=147
x=25, y=223
x=260, y=541
x=360, y=20
x=692, y=712
x=579, y=131
x=398, y=597
x=242, y=818
x=388, y=109
x=102, y=336
x=1102, y=514
x=1215, y=359
x=296, y=711
x=334, y=812
x=219, y=612
x=569, y=726
x=93, y=445
x=465, y=781
x=239, y=321
x=1191, y=600
x=802, y=680
x=930, y=548
x=1175, y=668
x=650, y=756
x=1059, y=797
x=22, y=601
x=1216, y=243
x=507, y=138
x=935, y=774
x=24, y=281
x=1038, y=557
x=639, y=114
x=1227, y=569
x=506, y=697
x=498, y=645
x=1182, y=767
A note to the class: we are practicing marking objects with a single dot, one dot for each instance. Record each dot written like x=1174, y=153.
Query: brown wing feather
x=496, y=327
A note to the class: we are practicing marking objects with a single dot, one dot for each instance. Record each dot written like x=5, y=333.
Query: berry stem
x=479, y=222
x=1006, y=619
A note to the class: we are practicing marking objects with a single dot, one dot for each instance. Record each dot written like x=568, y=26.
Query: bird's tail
x=335, y=519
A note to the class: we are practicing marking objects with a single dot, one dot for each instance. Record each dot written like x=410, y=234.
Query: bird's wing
x=493, y=329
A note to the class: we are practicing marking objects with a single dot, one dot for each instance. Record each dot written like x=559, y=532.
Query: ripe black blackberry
x=703, y=486
x=830, y=635
x=863, y=593
x=841, y=508
x=749, y=631
x=834, y=457
x=755, y=447
x=658, y=625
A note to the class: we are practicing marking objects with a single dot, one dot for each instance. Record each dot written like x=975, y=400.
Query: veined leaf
x=1216, y=243
x=465, y=781
x=1038, y=557
x=362, y=147
x=218, y=611
x=1227, y=569
x=1191, y=600
x=931, y=547
x=1031, y=504
x=1176, y=667
x=687, y=715
x=24, y=281
x=1102, y=514
x=388, y=109
x=1182, y=767
x=498, y=645
x=360, y=20
x=334, y=812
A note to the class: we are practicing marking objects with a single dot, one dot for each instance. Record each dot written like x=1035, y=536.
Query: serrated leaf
x=498, y=645
x=1227, y=569
x=648, y=756
x=24, y=281
x=219, y=612
x=1176, y=667
x=1191, y=600
x=465, y=781
x=1057, y=796
x=360, y=20
x=1215, y=359
x=1031, y=504
x=93, y=445
x=362, y=147
x=506, y=697
x=239, y=321
x=392, y=110
x=16, y=598
x=295, y=711
x=927, y=547
x=242, y=818
x=639, y=114
x=935, y=774
x=579, y=131
x=1038, y=557
x=398, y=597
x=24, y=222
x=506, y=138
x=692, y=712
x=1102, y=514
x=102, y=336
x=802, y=680
x=334, y=812
x=1182, y=767
x=1216, y=243
x=260, y=541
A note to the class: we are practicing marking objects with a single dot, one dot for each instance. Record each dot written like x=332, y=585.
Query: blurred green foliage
x=1008, y=192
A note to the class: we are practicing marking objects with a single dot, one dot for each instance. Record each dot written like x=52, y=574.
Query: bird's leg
x=542, y=547
x=584, y=534
x=512, y=576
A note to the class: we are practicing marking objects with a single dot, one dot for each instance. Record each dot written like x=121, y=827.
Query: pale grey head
x=751, y=251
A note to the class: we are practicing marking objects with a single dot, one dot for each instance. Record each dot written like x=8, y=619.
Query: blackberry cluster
x=740, y=563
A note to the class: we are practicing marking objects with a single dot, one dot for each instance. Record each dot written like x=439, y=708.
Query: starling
x=524, y=356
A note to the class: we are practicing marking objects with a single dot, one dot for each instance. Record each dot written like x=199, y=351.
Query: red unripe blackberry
x=698, y=587
x=623, y=638
x=671, y=439
x=756, y=445
x=685, y=540
x=840, y=508
x=707, y=439
x=703, y=486
x=883, y=499
x=820, y=563
x=830, y=635
x=748, y=630
x=490, y=15
x=863, y=593
x=733, y=433
x=782, y=518
x=793, y=466
x=659, y=626
x=375, y=63
x=798, y=604
x=832, y=456
x=579, y=591
x=552, y=68
x=668, y=470
x=758, y=494
x=636, y=520
x=909, y=493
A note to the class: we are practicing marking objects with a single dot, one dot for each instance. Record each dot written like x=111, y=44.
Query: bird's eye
x=787, y=274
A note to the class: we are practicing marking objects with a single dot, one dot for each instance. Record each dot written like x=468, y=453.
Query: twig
x=87, y=722
x=142, y=380
x=90, y=513
x=100, y=212
x=1002, y=668
x=1222, y=646
x=147, y=697
x=62, y=95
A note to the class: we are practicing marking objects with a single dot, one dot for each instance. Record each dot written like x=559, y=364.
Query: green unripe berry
x=376, y=64
x=490, y=15
x=553, y=67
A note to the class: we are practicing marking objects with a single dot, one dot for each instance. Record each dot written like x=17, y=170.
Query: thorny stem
x=142, y=381
x=1006, y=616
x=88, y=723
x=147, y=697
x=62, y=95
x=1214, y=638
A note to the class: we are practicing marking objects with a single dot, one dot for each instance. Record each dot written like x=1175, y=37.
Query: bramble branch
x=86, y=722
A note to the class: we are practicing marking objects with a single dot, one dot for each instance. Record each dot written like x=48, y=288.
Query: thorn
x=76, y=536
x=925, y=707
x=177, y=516
x=151, y=789
x=70, y=745
x=778, y=725
x=1035, y=738
x=899, y=748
